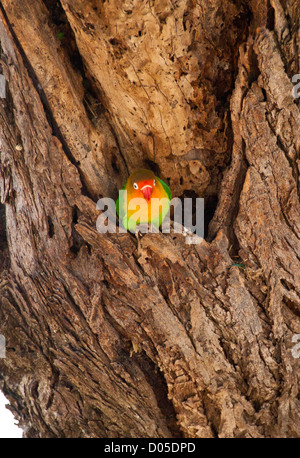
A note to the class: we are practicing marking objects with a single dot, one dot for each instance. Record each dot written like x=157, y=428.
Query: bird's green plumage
x=161, y=190
x=166, y=188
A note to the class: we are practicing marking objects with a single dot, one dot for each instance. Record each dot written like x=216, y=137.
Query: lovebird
x=145, y=185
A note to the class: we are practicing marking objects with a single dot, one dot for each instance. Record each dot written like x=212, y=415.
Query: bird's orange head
x=141, y=183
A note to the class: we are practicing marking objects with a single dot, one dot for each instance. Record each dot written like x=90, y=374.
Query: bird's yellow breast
x=149, y=210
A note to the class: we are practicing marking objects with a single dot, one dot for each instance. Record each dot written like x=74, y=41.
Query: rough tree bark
x=108, y=339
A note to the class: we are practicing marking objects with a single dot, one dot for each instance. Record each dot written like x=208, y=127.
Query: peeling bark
x=110, y=338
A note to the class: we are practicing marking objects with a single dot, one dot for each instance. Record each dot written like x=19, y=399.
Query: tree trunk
x=106, y=337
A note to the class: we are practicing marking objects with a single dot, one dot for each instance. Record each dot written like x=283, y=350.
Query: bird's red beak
x=147, y=191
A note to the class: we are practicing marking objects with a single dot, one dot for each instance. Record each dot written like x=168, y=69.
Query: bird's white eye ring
x=154, y=183
x=135, y=186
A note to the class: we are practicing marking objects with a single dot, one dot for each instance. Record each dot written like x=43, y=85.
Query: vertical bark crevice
x=4, y=253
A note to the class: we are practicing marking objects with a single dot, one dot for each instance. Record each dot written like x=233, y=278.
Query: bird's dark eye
x=135, y=186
